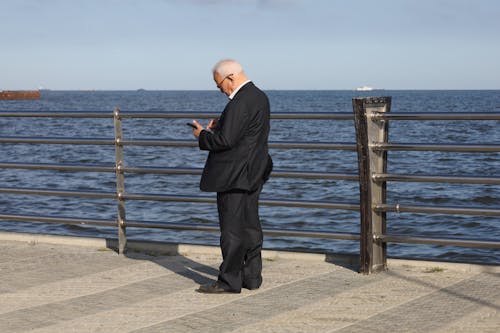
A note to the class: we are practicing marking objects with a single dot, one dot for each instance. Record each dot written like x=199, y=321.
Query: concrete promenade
x=66, y=284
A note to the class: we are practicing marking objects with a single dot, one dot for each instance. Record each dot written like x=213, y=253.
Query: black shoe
x=214, y=288
x=250, y=288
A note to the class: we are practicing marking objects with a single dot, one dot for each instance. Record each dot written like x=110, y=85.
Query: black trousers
x=241, y=239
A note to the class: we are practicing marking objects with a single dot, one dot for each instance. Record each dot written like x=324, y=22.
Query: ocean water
x=432, y=163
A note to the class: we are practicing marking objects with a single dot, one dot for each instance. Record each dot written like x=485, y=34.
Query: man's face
x=223, y=83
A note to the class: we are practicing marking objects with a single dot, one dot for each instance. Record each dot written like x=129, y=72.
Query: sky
x=281, y=44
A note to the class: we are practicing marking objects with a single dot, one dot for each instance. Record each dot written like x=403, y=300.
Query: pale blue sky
x=282, y=44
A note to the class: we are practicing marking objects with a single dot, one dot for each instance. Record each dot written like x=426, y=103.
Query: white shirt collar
x=238, y=89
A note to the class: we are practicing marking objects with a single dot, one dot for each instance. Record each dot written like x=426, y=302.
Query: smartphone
x=192, y=125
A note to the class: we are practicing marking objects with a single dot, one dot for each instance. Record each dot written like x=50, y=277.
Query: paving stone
x=51, y=288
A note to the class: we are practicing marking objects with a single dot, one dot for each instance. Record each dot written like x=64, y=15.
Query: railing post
x=369, y=132
x=120, y=182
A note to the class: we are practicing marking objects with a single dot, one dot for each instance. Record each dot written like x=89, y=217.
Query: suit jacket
x=238, y=157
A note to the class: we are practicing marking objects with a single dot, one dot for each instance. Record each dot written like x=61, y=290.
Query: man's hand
x=212, y=124
x=198, y=129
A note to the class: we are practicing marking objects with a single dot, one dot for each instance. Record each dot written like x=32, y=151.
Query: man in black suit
x=237, y=166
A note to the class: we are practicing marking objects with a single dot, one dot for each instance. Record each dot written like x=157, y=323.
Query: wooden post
x=369, y=132
x=120, y=183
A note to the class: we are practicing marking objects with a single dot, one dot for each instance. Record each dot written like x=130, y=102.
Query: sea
x=288, y=218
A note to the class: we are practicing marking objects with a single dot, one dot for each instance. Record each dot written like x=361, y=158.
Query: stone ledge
x=161, y=248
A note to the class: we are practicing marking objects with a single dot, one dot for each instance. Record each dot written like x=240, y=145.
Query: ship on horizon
x=367, y=88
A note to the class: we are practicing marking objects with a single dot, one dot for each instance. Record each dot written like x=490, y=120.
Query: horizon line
x=269, y=89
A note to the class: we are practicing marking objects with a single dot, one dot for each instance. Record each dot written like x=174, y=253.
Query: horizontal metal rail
x=486, y=148
x=319, y=175
x=436, y=116
x=439, y=241
x=313, y=115
x=311, y=234
x=274, y=232
x=267, y=231
x=174, y=198
x=313, y=145
x=169, y=171
x=384, y=177
x=272, y=144
x=460, y=210
x=57, y=167
x=56, y=114
x=170, y=143
x=61, y=193
x=54, y=140
x=264, y=202
x=207, y=115
x=57, y=219
x=175, y=226
x=170, y=114
x=159, y=143
x=274, y=115
x=275, y=173
x=162, y=171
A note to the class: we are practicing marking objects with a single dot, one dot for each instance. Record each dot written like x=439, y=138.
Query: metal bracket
x=376, y=116
x=375, y=146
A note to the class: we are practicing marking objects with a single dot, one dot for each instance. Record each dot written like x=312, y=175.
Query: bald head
x=226, y=67
x=228, y=75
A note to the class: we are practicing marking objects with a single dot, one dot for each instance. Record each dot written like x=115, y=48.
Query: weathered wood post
x=369, y=132
x=120, y=182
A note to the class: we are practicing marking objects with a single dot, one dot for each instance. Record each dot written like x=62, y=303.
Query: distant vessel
x=19, y=94
x=365, y=88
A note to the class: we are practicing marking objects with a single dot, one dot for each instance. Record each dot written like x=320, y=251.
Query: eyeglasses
x=220, y=83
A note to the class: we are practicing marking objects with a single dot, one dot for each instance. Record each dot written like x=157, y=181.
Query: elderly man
x=237, y=166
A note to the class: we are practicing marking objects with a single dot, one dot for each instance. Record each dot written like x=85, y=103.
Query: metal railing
x=121, y=196
x=371, y=120
x=371, y=117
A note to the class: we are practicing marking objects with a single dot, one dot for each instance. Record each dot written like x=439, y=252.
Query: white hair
x=227, y=66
